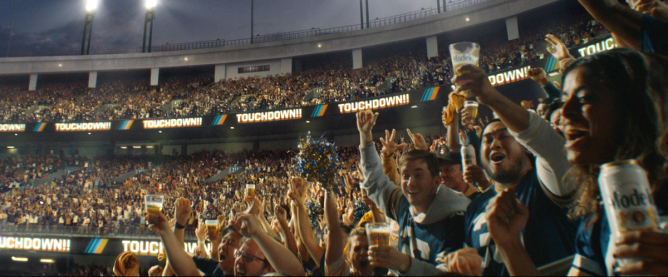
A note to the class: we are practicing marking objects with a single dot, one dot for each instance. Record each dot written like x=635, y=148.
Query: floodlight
x=150, y=4
x=91, y=5
x=19, y=259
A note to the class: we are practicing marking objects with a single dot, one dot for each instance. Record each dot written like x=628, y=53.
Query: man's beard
x=509, y=176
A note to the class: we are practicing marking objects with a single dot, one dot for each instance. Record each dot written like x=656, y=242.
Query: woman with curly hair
x=615, y=108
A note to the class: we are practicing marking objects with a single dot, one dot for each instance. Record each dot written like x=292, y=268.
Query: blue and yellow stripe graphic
x=551, y=64
x=96, y=246
x=319, y=111
x=430, y=94
x=39, y=127
x=219, y=119
x=126, y=124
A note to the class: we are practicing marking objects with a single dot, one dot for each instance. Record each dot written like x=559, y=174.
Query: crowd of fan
x=335, y=82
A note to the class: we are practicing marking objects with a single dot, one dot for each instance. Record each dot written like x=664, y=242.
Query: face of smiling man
x=418, y=184
x=505, y=159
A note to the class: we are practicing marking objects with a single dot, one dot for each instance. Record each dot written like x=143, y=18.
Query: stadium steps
x=32, y=109
x=223, y=173
x=125, y=176
x=314, y=93
x=50, y=177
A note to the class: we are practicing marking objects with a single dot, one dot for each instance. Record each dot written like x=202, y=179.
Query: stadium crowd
x=335, y=82
x=532, y=201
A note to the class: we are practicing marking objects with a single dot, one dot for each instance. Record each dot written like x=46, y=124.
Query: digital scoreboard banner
x=89, y=246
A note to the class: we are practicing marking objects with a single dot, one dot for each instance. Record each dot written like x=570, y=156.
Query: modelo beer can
x=468, y=157
x=627, y=197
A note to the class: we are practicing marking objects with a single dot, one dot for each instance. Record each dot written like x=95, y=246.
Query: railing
x=378, y=22
x=110, y=231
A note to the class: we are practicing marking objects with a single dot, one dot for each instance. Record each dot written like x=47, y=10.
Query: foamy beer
x=471, y=107
x=153, y=206
x=378, y=233
x=250, y=190
x=211, y=225
x=464, y=53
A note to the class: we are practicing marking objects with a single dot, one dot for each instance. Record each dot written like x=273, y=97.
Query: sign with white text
x=12, y=127
x=172, y=123
x=35, y=244
x=80, y=127
x=269, y=116
x=374, y=104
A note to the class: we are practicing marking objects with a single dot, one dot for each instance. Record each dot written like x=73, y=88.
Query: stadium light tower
x=91, y=7
x=150, y=16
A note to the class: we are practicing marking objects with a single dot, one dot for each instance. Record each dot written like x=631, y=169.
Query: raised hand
x=368, y=202
x=247, y=224
x=200, y=232
x=467, y=121
x=389, y=146
x=474, y=83
x=280, y=213
x=475, y=174
x=162, y=224
x=557, y=47
x=183, y=211
x=420, y=142
x=506, y=218
x=365, y=122
x=538, y=75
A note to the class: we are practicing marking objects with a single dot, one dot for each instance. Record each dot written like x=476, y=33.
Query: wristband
x=177, y=226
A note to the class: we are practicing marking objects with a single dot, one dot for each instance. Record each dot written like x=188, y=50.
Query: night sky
x=53, y=25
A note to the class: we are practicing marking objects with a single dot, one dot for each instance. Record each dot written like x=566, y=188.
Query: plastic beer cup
x=471, y=108
x=463, y=53
x=378, y=233
x=153, y=205
x=250, y=190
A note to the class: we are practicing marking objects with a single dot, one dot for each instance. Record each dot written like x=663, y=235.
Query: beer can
x=468, y=155
x=627, y=197
x=468, y=158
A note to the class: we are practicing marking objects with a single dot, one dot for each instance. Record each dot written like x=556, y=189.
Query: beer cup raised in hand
x=378, y=233
x=153, y=206
x=471, y=107
x=464, y=53
x=250, y=190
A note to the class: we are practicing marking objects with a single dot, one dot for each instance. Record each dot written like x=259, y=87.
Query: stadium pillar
x=88, y=25
x=33, y=82
x=357, y=58
x=512, y=28
x=438, y=6
x=432, y=47
x=219, y=73
x=361, y=15
x=367, y=14
x=286, y=65
x=155, y=74
x=184, y=149
x=92, y=79
x=252, y=10
x=444, y=8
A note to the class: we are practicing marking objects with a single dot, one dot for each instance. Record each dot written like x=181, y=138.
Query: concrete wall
x=232, y=70
x=451, y=20
x=232, y=147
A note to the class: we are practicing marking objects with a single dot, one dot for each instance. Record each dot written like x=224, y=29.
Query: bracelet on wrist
x=178, y=226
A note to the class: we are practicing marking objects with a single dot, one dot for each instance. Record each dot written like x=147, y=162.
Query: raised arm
x=303, y=223
x=388, y=151
x=620, y=20
x=527, y=127
x=180, y=261
x=335, y=242
x=288, y=238
x=378, y=186
x=280, y=258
